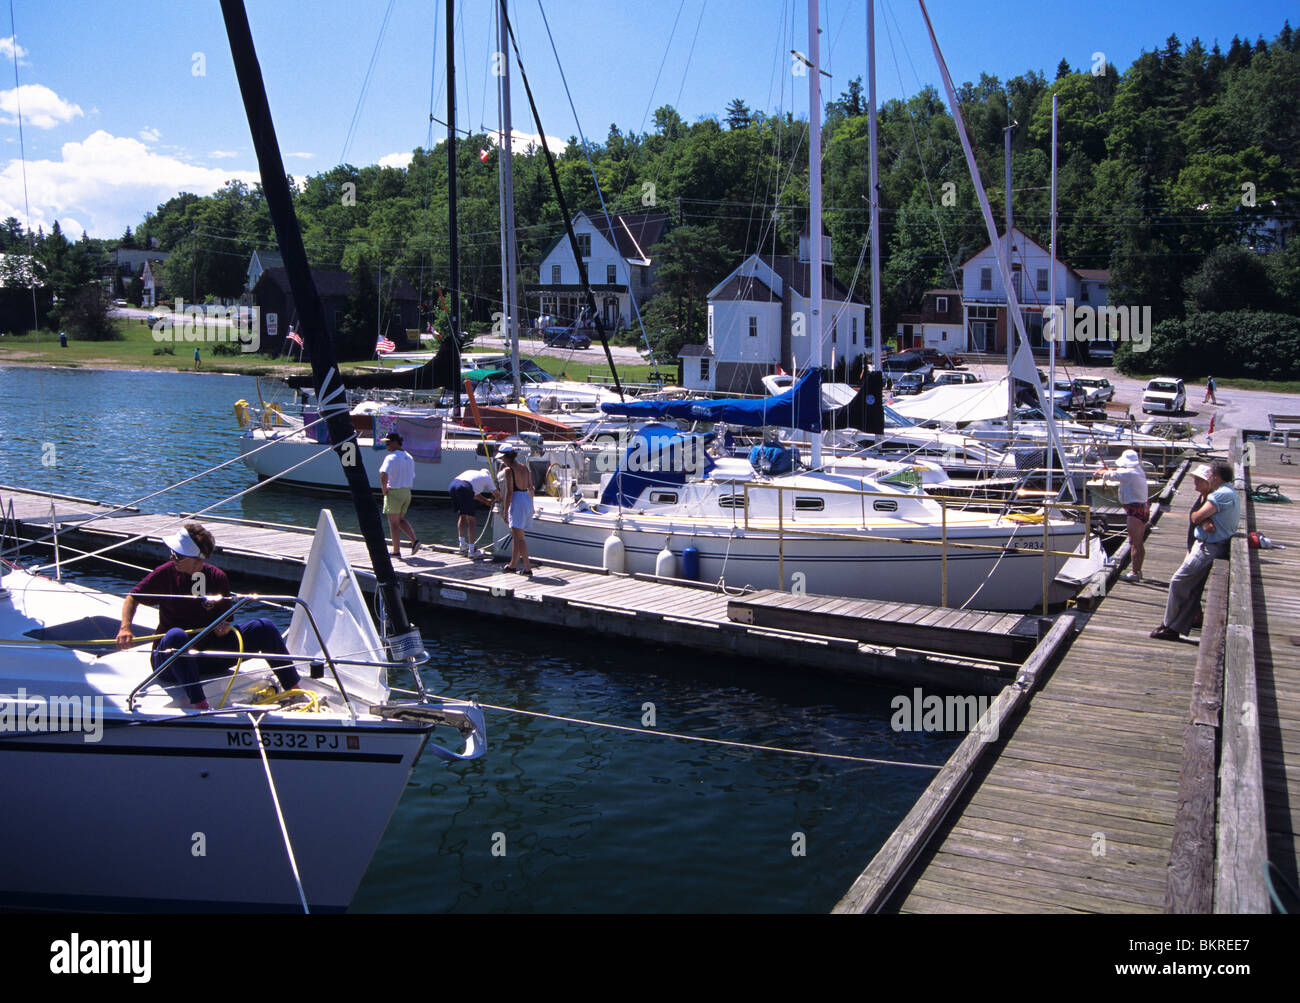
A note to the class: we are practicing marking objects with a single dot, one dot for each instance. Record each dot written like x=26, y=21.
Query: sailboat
x=131, y=799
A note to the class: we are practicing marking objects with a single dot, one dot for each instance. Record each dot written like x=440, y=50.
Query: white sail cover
x=961, y=402
x=339, y=607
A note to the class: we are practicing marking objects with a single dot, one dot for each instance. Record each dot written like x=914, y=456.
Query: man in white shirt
x=1134, y=495
x=469, y=490
x=396, y=477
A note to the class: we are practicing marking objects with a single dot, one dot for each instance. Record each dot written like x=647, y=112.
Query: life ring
x=271, y=415
x=242, y=413
x=553, y=483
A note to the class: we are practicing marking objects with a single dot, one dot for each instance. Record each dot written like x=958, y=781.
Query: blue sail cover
x=799, y=407
x=657, y=456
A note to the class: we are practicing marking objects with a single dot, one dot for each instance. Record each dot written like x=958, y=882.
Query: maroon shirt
x=184, y=611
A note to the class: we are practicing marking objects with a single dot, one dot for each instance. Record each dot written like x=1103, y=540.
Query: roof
x=749, y=288
x=330, y=282
x=1093, y=274
x=1090, y=274
x=695, y=351
x=798, y=275
x=269, y=257
x=633, y=234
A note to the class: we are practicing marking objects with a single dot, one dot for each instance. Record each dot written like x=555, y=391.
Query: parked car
x=912, y=383
x=1166, y=395
x=938, y=359
x=1069, y=394
x=905, y=362
x=951, y=378
x=563, y=337
x=1099, y=390
x=1101, y=353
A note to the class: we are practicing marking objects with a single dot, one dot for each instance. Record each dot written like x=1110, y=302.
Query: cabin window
x=809, y=504
x=731, y=501
x=1042, y=280
x=611, y=274
x=941, y=304
x=704, y=369
x=986, y=278
x=555, y=275
x=885, y=505
x=663, y=497
x=584, y=244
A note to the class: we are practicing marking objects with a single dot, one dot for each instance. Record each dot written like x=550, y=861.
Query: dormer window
x=941, y=304
x=986, y=279
x=584, y=244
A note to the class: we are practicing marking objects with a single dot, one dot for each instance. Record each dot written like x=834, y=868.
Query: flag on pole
x=295, y=338
x=1211, y=431
x=383, y=346
x=483, y=155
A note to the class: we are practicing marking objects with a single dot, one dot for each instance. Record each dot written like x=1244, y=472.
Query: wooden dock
x=886, y=643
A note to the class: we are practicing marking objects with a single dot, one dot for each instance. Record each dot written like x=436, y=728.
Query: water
x=590, y=820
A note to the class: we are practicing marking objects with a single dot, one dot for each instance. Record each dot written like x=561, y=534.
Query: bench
x=1281, y=424
x=1119, y=410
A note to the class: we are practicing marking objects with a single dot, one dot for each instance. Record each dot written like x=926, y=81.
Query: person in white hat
x=1134, y=495
x=191, y=594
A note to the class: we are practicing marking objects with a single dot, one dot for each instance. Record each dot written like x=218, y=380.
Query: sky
x=124, y=105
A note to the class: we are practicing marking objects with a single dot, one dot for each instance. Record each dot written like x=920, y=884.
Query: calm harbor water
x=590, y=819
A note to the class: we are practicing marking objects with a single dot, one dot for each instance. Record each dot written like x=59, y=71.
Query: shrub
x=1238, y=343
x=86, y=315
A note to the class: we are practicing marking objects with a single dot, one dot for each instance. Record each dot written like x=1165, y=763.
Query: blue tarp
x=799, y=407
x=657, y=456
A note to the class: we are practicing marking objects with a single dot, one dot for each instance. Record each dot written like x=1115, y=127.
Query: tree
x=357, y=333
x=738, y=114
x=85, y=315
x=1063, y=69
x=1231, y=278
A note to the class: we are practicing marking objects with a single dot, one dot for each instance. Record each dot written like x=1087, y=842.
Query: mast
x=815, y=203
x=1051, y=295
x=506, y=185
x=874, y=182
x=1011, y=383
x=325, y=375
x=453, y=307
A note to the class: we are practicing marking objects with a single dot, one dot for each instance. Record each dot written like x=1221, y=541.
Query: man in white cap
x=191, y=594
x=1134, y=496
x=1214, y=524
x=470, y=490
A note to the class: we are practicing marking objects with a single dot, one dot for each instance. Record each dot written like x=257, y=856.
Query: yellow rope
x=238, y=662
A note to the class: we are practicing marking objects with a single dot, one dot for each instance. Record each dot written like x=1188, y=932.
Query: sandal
x=1163, y=633
x=415, y=547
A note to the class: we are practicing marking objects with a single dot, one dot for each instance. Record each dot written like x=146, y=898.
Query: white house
x=760, y=321
x=151, y=281
x=618, y=267
x=984, y=299
x=259, y=262
x=937, y=325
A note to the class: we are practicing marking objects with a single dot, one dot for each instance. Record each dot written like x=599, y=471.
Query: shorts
x=1141, y=511
x=462, y=498
x=397, y=501
x=521, y=510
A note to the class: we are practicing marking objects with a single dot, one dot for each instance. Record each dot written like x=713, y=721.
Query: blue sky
x=125, y=104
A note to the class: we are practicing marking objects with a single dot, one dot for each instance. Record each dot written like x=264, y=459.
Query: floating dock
x=1129, y=775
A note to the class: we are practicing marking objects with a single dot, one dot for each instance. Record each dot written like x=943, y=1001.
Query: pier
x=1130, y=775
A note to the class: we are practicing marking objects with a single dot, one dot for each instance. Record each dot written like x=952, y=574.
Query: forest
x=1180, y=174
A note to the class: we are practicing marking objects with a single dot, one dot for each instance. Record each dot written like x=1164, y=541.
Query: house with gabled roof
x=616, y=251
x=984, y=298
x=151, y=283
x=760, y=322
x=259, y=261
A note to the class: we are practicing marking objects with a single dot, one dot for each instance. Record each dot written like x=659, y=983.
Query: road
x=623, y=355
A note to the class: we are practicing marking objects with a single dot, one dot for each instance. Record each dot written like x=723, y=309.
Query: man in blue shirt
x=1214, y=523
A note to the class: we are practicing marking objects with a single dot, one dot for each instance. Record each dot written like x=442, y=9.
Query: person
x=469, y=490
x=1214, y=523
x=1209, y=392
x=196, y=359
x=396, y=477
x=191, y=594
x=517, y=500
x=1134, y=497
x=1199, y=475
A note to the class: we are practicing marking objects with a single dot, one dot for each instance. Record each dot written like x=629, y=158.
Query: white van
x=1165, y=395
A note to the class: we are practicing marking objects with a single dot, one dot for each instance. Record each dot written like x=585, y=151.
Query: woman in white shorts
x=517, y=485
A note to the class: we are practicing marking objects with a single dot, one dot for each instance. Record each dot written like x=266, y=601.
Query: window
x=611, y=274
x=731, y=501
x=753, y=327
x=338, y=319
x=941, y=304
x=986, y=278
x=663, y=497
x=555, y=275
x=887, y=505
x=1042, y=280
x=855, y=330
x=1083, y=292
x=809, y=504
x=704, y=369
x=1015, y=278
x=835, y=330
x=584, y=244
x=644, y=276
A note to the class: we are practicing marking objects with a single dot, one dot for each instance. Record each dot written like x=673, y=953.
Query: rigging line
x=708, y=741
x=428, y=144
x=255, y=719
x=365, y=82
x=631, y=294
x=655, y=86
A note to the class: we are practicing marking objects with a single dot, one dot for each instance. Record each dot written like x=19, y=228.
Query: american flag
x=295, y=338
x=484, y=155
x=383, y=346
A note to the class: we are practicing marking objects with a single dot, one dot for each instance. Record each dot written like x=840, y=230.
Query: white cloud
x=149, y=134
x=41, y=107
x=108, y=181
x=521, y=141
x=402, y=160
x=301, y=156
x=223, y=154
x=9, y=47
